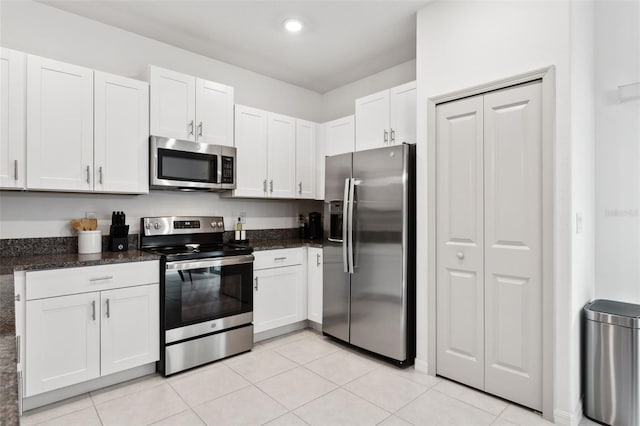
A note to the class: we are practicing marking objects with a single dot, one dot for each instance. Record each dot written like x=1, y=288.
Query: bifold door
x=489, y=236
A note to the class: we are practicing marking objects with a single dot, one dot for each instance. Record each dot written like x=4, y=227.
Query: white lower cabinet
x=130, y=325
x=96, y=324
x=279, y=289
x=62, y=341
x=314, y=285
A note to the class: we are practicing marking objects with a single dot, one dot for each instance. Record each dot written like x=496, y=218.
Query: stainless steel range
x=206, y=290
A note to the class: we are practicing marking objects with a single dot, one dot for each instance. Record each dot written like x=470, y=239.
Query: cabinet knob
x=460, y=255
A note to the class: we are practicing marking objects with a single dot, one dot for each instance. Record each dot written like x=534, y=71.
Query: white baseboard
x=269, y=334
x=46, y=398
x=421, y=366
x=565, y=418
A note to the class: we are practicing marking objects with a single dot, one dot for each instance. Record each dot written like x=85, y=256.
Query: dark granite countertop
x=273, y=244
x=8, y=374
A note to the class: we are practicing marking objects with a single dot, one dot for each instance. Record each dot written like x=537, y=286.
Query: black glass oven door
x=206, y=293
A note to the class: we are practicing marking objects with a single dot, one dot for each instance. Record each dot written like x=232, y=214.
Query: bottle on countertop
x=240, y=234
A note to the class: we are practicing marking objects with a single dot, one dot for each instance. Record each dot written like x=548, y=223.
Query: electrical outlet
x=243, y=217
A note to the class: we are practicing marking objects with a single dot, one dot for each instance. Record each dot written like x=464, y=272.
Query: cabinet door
x=402, y=110
x=214, y=113
x=13, y=75
x=306, y=132
x=314, y=285
x=173, y=104
x=121, y=140
x=372, y=121
x=340, y=136
x=278, y=297
x=59, y=125
x=63, y=341
x=319, y=161
x=130, y=327
x=251, y=155
x=281, y=154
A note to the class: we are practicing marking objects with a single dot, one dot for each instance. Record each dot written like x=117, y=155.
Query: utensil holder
x=89, y=242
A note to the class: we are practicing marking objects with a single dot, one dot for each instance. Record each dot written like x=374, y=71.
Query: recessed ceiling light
x=293, y=25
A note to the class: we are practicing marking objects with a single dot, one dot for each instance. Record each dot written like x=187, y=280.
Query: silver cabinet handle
x=106, y=277
x=271, y=185
x=393, y=136
x=18, y=348
x=317, y=259
x=300, y=188
x=200, y=129
x=100, y=174
x=17, y=298
x=93, y=310
x=460, y=255
x=191, y=127
x=20, y=393
x=15, y=169
x=256, y=286
x=386, y=136
x=264, y=186
x=88, y=174
x=279, y=259
x=108, y=309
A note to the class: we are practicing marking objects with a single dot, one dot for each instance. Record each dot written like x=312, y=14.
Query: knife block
x=119, y=238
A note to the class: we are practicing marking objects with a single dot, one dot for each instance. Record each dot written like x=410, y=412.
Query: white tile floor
x=297, y=379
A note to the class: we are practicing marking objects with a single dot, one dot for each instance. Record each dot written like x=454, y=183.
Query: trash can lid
x=613, y=312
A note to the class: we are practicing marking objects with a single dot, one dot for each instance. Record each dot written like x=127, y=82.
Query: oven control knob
x=220, y=224
x=156, y=225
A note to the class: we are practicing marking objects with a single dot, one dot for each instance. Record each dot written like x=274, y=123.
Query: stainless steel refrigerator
x=369, y=251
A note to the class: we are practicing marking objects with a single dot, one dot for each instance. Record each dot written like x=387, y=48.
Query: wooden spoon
x=76, y=224
x=89, y=224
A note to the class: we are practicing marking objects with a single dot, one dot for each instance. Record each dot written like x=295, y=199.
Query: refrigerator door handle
x=345, y=223
x=352, y=200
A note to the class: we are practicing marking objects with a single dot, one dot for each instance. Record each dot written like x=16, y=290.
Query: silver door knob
x=460, y=255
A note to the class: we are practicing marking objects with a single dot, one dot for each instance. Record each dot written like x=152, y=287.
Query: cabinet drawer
x=60, y=282
x=277, y=258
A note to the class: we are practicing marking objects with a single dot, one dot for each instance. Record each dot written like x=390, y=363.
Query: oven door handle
x=182, y=265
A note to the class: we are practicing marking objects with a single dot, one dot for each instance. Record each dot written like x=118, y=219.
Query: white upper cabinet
x=386, y=118
x=319, y=161
x=59, y=125
x=306, y=133
x=266, y=145
x=12, y=119
x=372, y=121
x=402, y=100
x=190, y=108
x=281, y=154
x=339, y=136
x=251, y=152
x=172, y=104
x=214, y=113
x=121, y=141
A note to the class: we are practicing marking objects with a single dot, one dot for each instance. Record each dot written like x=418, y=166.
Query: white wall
x=617, y=152
x=340, y=102
x=464, y=44
x=43, y=30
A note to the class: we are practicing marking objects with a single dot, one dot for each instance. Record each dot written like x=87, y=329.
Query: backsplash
x=11, y=247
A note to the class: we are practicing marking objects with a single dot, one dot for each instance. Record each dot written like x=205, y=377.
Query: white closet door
x=460, y=275
x=513, y=238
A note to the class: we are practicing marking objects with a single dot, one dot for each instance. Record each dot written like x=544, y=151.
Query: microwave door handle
x=219, y=174
x=344, y=241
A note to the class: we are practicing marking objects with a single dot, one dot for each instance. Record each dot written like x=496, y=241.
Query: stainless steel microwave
x=186, y=165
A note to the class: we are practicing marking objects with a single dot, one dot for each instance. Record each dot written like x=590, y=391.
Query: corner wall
x=464, y=44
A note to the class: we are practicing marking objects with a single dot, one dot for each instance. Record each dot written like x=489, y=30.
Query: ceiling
x=342, y=41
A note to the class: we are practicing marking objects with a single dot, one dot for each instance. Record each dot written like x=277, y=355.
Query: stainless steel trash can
x=611, y=362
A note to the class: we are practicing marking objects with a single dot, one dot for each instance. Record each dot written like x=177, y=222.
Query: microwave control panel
x=227, y=169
